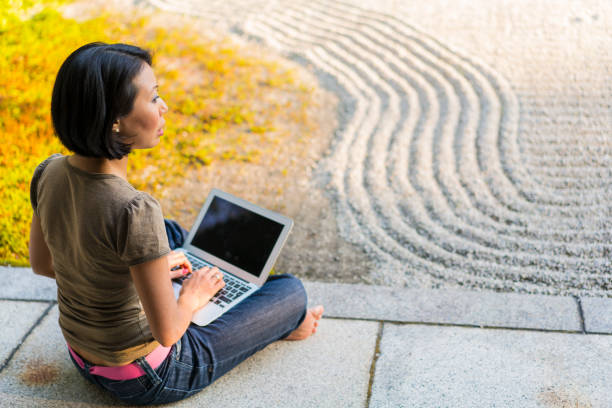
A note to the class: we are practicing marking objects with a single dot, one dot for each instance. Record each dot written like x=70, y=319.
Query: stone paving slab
x=19, y=401
x=16, y=318
x=41, y=368
x=329, y=369
x=597, y=314
x=332, y=369
x=434, y=366
x=26, y=285
x=459, y=307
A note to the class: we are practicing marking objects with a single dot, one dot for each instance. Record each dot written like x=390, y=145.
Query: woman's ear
x=116, y=126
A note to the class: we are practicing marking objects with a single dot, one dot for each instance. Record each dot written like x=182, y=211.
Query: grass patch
x=219, y=95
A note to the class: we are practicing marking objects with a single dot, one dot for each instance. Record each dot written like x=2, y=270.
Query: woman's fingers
x=215, y=273
x=205, y=282
x=210, y=275
x=177, y=273
x=178, y=259
x=214, y=277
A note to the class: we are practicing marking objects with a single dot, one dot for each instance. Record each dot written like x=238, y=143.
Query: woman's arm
x=169, y=317
x=40, y=256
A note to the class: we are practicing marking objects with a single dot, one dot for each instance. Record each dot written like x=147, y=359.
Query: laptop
x=240, y=238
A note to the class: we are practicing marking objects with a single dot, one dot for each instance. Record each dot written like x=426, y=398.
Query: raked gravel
x=474, y=145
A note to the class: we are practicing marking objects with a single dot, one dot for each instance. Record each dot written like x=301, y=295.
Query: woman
x=110, y=250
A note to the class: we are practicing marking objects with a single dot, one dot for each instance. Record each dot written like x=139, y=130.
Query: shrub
x=213, y=88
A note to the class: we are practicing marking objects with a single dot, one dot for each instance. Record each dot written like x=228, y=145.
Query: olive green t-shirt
x=96, y=227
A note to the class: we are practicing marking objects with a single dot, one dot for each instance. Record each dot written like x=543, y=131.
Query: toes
x=317, y=312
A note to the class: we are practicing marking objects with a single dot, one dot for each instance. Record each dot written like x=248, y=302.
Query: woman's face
x=144, y=125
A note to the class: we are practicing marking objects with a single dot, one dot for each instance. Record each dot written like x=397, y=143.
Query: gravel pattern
x=482, y=164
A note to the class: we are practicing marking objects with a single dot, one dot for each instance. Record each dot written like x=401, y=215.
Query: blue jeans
x=205, y=353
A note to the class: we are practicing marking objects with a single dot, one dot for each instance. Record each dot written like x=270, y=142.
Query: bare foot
x=308, y=326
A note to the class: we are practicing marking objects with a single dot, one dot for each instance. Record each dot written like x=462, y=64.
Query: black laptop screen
x=237, y=235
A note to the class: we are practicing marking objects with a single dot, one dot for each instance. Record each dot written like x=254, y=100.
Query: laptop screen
x=237, y=235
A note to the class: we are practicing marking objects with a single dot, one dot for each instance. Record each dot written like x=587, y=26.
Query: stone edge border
x=402, y=305
x=463, y=308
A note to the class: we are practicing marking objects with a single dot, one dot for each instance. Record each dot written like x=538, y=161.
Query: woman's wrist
x=187, y=301
x=191, y=301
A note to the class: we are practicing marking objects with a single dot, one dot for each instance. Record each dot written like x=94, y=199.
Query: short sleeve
x=36, y=178
x=142, y=234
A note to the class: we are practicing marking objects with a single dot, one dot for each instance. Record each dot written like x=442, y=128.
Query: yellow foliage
x=219, y=93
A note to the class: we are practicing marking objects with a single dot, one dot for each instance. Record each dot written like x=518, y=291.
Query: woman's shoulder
x=38, y=172
x=124, y=203
x=96, y=191
x=44, y=163
x=142, y=201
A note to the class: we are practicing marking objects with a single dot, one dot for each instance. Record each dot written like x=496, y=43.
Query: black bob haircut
x=93, y=88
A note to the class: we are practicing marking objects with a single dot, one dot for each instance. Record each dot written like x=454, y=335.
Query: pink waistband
x=128, y=371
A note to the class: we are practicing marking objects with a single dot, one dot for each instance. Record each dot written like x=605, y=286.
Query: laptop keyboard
x=231, y=291
x=195, y=262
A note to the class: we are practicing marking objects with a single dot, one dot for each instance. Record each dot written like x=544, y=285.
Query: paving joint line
x=373, y=365
x=465, y=325
x=581, y=313
x=25, y=336
x=27, y=300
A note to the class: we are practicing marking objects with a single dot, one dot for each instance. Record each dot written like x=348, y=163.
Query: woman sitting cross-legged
x=111, y=252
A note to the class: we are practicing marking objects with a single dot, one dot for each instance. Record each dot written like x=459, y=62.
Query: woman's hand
x=201, y=287
x=178, y=259
x=168, y=317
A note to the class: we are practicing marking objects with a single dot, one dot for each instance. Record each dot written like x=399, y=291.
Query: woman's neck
x=100, y=165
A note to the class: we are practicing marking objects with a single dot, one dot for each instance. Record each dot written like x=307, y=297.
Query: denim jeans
x=205, y=353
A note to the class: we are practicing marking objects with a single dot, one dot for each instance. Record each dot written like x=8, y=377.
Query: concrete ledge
x=597, y=315
x=358, y=301
x=488, y=309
